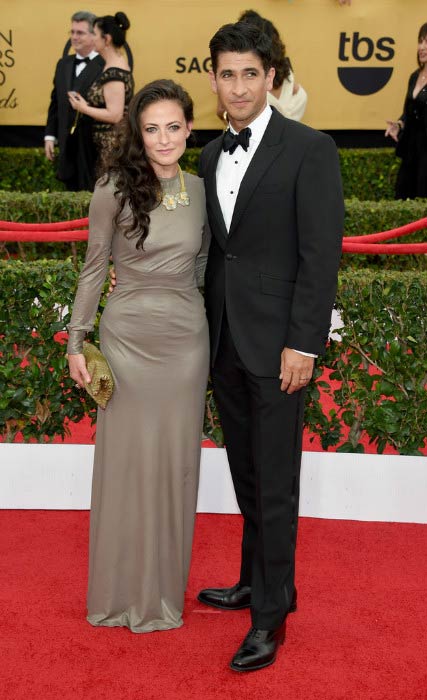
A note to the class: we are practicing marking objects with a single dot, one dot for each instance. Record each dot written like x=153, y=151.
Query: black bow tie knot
x=78, y=61
x=231, y=141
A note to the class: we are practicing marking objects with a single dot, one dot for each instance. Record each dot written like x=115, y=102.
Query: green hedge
x=368, y=173
x=361, y=218
x=381, y=363
x=28, y=170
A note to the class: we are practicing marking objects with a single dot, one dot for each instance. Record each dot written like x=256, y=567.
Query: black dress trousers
x=263, y=436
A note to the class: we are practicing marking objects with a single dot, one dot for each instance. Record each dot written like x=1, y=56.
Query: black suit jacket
x=276, y=270
x=60, y=116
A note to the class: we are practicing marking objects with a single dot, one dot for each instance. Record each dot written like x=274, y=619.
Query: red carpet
x=359, y=633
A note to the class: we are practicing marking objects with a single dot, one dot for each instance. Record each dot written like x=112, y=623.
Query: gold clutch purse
x=102, y=384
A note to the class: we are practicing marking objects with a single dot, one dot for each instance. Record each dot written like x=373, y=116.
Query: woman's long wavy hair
x=128, y=166
x=279, y=59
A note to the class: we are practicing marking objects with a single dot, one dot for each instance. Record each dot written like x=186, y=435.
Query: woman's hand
x=113, y=281
x=393, y=129
x=78, y=370
x=77, y=102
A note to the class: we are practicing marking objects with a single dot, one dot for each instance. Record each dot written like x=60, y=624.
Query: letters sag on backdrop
x=353, y=61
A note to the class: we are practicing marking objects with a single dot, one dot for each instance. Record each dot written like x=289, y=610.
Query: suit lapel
x=68, y=73
x=90, y=73
x=272, y=143
x=212, y=195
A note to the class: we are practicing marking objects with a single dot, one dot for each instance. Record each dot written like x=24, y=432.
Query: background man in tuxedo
x=76, y=72
x=275, y=208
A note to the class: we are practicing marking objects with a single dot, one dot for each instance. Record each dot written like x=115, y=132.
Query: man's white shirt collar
x=259, y=125
x=89, y=56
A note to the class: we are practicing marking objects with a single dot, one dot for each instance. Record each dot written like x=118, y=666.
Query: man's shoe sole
x=239, y=669
x=222, y=607
x=292, y=609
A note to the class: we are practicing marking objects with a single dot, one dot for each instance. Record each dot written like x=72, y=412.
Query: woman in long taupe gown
x=154, y=335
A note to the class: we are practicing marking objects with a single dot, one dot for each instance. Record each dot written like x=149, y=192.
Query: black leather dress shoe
x=259, y=649
x=235, y=598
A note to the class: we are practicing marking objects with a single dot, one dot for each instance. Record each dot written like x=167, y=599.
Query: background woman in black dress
x=410, y=130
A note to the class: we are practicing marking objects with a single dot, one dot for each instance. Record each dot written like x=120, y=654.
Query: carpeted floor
x=359, y=633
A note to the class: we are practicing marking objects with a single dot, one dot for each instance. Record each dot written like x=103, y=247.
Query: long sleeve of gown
x=202, y=255
x=92, y=277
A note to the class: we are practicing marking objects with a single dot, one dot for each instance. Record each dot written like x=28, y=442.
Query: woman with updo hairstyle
x=287, y=96
x=150, y=216
x=108, y=97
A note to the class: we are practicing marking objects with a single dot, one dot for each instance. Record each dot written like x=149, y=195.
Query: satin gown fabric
x=154, y=335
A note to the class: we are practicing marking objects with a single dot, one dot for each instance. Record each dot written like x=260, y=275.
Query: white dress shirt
x=232, y=167
x=81, y=66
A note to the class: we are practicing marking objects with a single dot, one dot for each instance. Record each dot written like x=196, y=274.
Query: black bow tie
x=231, y=141
x=77, y=61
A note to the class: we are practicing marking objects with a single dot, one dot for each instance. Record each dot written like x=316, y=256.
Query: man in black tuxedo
x=275, y=207
x=76, y=159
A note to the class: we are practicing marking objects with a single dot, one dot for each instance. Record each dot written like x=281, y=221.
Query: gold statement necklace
x=170, y=201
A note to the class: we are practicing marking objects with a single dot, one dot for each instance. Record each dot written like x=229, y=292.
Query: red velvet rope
x=392, y=233
x=57, y=226
x=66, y=231
x=387, y=248
x=59, y=232
x=369, y=245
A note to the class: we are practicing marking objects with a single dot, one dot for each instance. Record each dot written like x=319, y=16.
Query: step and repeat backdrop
x=354, y=61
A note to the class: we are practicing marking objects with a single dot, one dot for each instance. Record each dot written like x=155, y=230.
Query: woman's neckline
x=125, y=70
x=169, y=179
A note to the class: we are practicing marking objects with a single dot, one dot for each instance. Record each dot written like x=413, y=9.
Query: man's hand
x=49, y=149
x=113, y=280
x=295, y=370
x=78, y=370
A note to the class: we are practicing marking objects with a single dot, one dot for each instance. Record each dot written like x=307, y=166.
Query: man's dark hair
x=241, y=37
x=279, y=59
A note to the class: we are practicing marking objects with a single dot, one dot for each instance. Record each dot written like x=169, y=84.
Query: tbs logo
x=364, y=80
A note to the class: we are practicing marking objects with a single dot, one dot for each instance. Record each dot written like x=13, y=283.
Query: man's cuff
x=307, y=354
x=51, y=138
